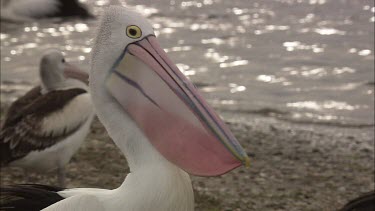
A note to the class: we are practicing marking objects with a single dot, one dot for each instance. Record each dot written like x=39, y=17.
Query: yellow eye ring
x=133, y=31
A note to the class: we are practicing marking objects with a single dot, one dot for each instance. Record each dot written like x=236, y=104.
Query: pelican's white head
x=55, y=71
x=131, y=72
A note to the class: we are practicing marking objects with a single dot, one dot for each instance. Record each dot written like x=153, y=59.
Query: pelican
x=46, y=126
x=157, y=118
x=26, y=10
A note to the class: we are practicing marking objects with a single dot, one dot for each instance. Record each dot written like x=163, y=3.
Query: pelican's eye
x=133, y=31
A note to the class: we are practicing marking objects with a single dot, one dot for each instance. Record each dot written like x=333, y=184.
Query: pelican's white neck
x=153, y=183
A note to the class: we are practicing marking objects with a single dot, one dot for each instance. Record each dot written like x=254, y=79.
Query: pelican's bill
x=171, y=112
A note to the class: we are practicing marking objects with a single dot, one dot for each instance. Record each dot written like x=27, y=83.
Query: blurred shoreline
x=305, y=61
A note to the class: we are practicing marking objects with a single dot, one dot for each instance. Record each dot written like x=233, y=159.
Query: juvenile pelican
x=155, y=116
x=46, y=126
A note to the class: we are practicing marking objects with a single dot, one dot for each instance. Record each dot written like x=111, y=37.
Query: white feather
x=73, y=114
x=77, y=203
x=157, y=187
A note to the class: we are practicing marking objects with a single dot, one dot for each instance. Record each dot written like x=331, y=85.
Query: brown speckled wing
x=14, y=110
x=22, y=132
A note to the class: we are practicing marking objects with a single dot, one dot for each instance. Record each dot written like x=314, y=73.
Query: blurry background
x=267, y=65
x=309, y=61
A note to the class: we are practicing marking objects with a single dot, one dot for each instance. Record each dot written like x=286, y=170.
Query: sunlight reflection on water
x=312, y=58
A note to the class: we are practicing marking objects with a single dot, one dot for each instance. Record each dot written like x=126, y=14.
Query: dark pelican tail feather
x=71, y=8
x=28, y=197
x=24, y=10
x=364, y=202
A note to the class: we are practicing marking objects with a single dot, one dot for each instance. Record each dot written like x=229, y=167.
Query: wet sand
x=291, y=169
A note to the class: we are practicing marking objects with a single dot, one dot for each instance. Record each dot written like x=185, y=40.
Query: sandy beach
x=291, y=169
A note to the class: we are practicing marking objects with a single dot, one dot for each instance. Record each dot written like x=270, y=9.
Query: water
x=304, y=61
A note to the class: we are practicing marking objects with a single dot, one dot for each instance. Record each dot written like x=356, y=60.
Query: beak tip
x=247, y=162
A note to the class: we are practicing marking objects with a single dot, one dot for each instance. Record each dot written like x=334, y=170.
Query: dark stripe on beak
x=135, y=85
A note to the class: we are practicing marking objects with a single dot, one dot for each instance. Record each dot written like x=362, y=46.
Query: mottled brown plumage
x=21, y=132
x=20, y=103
